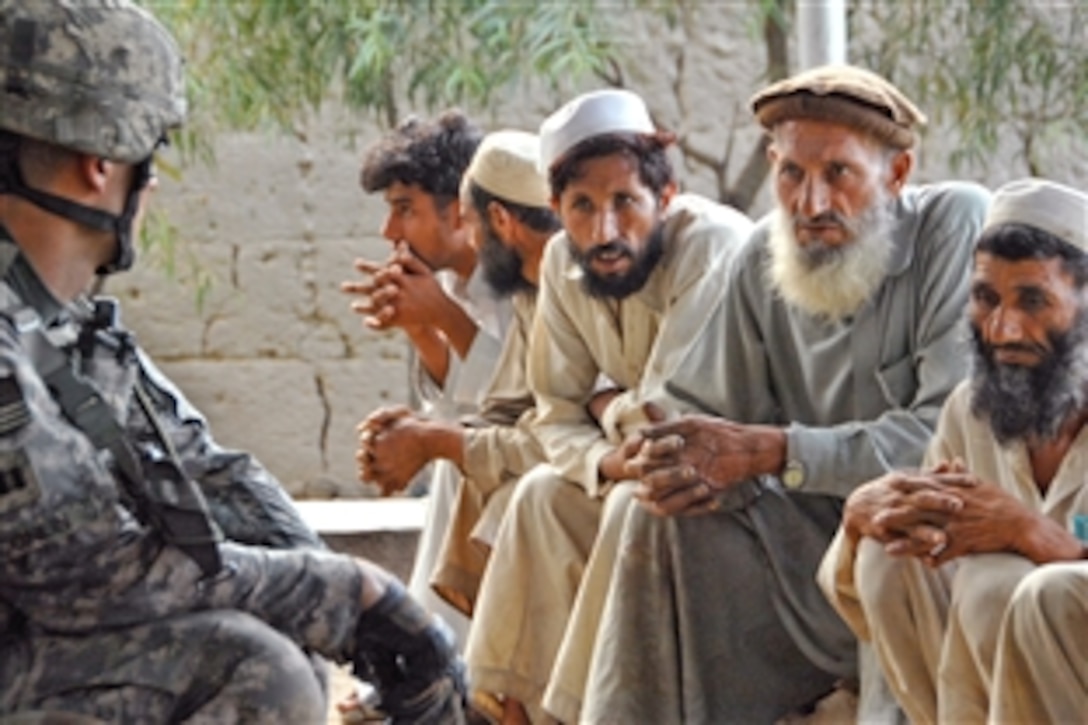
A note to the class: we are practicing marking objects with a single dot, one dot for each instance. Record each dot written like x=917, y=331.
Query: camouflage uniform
x=104, y=609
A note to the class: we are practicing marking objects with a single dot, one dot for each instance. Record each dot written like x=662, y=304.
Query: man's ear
x=666, y=196
x=899, y=169
x=94, y=171
x=500, y=219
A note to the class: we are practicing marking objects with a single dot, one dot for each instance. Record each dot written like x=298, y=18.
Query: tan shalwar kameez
x=461, y=394
x=984, y=638
x=499, y=447
x=551, y=525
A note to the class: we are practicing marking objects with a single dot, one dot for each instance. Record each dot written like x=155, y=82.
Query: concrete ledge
x=382, y=530
x=364, y=515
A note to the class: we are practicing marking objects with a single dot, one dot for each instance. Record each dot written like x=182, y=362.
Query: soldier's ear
x=94, y=171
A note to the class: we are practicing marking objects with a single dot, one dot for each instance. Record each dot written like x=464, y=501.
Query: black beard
x=618, y=286
x=502, y=265
x=1021, y=401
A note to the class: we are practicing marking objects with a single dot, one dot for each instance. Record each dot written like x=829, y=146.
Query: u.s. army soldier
x=146, y=574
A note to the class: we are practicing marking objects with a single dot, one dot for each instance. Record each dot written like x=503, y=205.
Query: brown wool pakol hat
x=841, y=94
x=1054, y=208
x=505, y=165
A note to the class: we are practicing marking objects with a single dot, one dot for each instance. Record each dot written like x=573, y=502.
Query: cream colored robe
x=549, y=531
x=984, y=638
x=499, y=447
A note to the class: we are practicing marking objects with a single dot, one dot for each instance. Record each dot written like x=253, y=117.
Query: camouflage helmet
x=98, y=76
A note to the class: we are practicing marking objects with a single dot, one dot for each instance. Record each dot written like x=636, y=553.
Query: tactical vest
x=163, y=496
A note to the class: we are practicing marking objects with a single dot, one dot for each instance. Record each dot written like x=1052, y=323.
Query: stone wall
x=275, y=358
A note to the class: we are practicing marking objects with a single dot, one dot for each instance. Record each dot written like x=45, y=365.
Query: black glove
x=409, y=655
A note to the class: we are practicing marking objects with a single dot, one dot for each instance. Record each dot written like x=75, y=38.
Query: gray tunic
x=743, y=632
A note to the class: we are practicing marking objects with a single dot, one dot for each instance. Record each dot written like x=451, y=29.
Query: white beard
x=836, y=286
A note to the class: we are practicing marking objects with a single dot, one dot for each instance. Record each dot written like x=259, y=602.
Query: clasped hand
x=939, y=515
x=391, y=448
x=682, y=465
x=403, y=292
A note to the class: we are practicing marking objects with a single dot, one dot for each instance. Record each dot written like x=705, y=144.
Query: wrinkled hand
x=988, y=519
x=686, y=462
x=906, y=511
x=392, y=448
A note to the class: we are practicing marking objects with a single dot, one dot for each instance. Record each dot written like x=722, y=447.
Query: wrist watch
x=793, y=474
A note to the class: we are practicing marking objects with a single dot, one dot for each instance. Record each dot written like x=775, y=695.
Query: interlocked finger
x=664, y=482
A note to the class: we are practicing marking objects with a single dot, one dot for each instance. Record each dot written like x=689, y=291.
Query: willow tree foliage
x=985, y=69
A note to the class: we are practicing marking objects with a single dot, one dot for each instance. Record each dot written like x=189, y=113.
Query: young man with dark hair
x=506, y=211
x=433, y=288
x=623, y=291
x=968, y=576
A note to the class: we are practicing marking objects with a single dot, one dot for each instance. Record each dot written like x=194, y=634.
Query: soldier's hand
x=411, y=656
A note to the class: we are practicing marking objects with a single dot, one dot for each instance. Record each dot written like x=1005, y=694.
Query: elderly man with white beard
x=968, y=576
x=824, y=366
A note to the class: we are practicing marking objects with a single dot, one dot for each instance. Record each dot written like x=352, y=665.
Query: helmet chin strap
x=120, y=225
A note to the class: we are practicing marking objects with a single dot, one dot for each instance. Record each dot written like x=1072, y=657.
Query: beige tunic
x=970, y=642
x=499, y=447
x=462, y=393
x=548, y=534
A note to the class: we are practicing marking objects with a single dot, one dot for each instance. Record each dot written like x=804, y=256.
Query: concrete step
x=383, y=530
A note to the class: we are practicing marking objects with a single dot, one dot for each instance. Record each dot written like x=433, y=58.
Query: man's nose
x=1005, y=327
x=605, y=227
x=391, y=228
x=814, y=198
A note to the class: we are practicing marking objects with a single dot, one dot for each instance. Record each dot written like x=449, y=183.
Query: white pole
x=821, y=32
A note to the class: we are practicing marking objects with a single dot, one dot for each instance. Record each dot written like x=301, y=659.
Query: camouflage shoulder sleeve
x=245, y=499
x=7, y=619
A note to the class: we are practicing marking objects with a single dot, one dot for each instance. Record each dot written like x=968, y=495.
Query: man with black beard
x=968, y=576
x=824, y=365
x=505, y=207
x=623, y=292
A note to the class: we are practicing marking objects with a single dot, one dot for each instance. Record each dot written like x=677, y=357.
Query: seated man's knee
x=981, y=590
x=541, y=491
x=1050, y=597
x=880, y=577
x=617, y=504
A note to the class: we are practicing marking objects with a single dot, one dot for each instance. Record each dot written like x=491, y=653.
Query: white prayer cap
x=505, y=165
x=1046, y=205
x=591, y=114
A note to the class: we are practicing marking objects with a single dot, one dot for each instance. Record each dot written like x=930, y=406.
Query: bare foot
x=513, y=712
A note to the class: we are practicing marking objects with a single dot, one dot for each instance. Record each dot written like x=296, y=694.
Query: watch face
x=793, y=475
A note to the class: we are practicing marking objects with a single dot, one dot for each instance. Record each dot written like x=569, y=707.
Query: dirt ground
x=838, y=708
x=340, y=686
